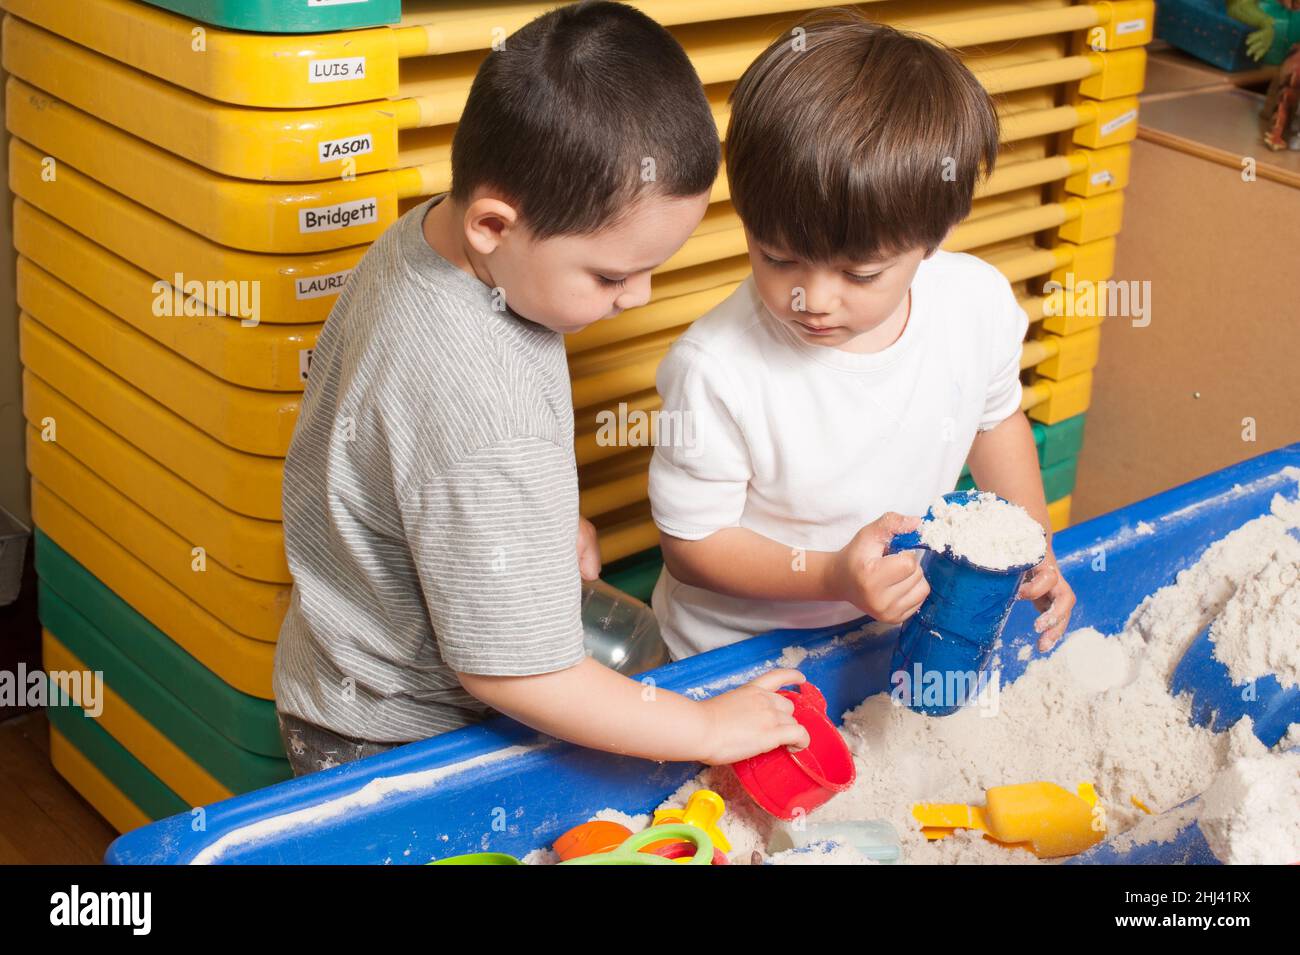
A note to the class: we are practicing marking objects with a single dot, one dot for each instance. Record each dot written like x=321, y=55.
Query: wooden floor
x=42, y=819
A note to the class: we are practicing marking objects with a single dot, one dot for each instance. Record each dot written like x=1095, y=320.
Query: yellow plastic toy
x=703, y=810
x=1044, y=818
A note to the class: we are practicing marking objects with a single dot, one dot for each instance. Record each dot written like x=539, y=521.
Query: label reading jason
x=336, y=70
x=341, y=216
x=315, y=286
x=1123, y=119
x=304, y=362
x=1130, y=26
x=343, y=148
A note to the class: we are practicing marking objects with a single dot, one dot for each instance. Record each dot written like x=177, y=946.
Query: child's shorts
x=311, y=748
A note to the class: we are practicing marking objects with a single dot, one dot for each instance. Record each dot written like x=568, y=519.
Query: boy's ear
x=487, y=221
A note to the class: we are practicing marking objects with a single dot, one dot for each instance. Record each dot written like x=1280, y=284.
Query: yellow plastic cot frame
x=257, y=422
x=243, y=483
x=247, y=546
x=270, y=217
x=253, y=609
x=280, y=144
x=355, y=66
x=292, y=289
x=243, y=663
x=719, y=237
x=263, y=356
x=171, y=764
x=96, y=788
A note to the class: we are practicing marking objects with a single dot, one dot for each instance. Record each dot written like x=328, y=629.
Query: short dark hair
x=865, y=141
x=566, y=117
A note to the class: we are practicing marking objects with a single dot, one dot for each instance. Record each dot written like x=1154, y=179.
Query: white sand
x=985, y=530
x=1249, y=814
x=1097, y=710
x=1258, y=631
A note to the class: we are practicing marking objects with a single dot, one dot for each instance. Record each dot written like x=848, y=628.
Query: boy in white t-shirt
x=845, y=382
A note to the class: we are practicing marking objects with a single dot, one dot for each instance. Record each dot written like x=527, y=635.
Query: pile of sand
x=986, y=530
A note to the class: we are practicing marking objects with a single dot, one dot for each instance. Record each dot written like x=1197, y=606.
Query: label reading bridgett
x=314, y=286
x=336, y=70
x=341, y=216
x=343, y=148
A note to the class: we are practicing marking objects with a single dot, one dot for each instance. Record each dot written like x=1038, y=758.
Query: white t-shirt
x=805, y=444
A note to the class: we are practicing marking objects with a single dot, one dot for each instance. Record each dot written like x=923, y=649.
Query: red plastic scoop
x=786, y=782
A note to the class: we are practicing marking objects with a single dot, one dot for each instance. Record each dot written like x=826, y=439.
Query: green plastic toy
x=479, y=858
x=1277, y=27
x=629, y=853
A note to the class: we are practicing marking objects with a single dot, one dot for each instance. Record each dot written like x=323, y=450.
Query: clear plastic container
x=620, y=631
x=875, y=838
x=13, y=548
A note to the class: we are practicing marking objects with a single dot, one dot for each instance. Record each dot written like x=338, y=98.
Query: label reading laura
x=341, y=216
x=314, y=286
x=343, y=148
x=335, y=70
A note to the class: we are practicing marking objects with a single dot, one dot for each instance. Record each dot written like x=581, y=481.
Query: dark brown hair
x=564, y=118
x=850, y=139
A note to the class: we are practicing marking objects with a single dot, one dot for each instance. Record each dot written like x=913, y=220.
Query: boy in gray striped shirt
x=430, y=491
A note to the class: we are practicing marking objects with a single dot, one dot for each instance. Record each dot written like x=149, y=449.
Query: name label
x=316, y=286
x=341, y=216
x=337, y=70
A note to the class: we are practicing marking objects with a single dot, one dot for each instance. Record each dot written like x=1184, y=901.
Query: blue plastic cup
x=945, y=649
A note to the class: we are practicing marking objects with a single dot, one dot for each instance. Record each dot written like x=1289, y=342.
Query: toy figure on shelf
x=1281, y=130
x=1281, y=127
x=1278, y=23
x=1281, y=123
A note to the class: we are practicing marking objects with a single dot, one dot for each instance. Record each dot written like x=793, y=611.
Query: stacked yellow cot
x=190, y=200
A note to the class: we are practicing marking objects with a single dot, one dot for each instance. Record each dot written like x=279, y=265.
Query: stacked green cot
x=194, y=180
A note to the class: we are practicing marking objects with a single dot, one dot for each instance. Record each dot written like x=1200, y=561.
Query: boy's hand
x=588, y=550
x=891, y=588
x=752, y=719
x=1047, y=588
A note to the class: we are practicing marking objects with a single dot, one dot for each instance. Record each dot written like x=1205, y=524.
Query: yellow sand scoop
x=1042, y=817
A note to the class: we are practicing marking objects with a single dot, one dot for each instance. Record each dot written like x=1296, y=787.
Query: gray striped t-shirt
x=430, y=501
